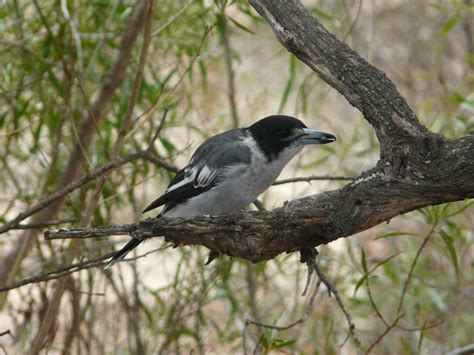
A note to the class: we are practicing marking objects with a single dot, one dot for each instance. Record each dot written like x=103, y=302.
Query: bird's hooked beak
x=310, y=136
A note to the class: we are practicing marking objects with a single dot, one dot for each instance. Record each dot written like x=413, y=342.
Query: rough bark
x=417, y=168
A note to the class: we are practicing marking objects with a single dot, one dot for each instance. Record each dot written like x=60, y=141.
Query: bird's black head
x=274, y=134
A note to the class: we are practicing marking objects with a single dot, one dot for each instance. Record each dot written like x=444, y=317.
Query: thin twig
x=423, y=328
x=305, y=315
x=348, y=316
x=158, y=130
x=314, y=177
x=135, y=311
x=258, y=350
x=252, y=285
x=75, y=34
x=410, y=274
x=171, y=20
x=229, y=69
x=75, y=322
x=67, y=189
x=372, y=302
x=144, y=154
x=379, y=338
x=354, y=21
x=41, y=225
x=6, y=332
x=308, y=257
x=83, y=233
x=465, y=350
x=75, y=267
x=147, y=155
x=309, y=277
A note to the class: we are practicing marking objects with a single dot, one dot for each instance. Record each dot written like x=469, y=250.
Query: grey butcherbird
x=231, y=169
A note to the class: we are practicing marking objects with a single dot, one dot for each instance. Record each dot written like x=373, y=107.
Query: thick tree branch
x=363, y=85
x=417, y=168
x=308, y=222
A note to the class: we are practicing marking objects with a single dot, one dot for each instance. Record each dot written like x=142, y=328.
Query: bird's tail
x=132, y=244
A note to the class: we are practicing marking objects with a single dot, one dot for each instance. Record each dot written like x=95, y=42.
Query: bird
x=231, y=169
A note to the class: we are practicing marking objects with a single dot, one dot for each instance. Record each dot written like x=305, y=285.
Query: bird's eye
x=282, y=134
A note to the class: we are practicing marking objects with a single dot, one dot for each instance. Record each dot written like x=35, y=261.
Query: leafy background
x=408, y=285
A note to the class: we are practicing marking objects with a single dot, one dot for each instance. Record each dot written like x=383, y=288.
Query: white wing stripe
x=205, y=177
x=188, y=178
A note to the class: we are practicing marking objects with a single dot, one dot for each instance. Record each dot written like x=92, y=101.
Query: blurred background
x=215, y=65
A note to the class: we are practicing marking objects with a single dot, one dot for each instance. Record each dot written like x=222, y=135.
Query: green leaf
x=449, y=25
x=363, y=262
x=448, y=241
x=203, y=72
x=289, y=84
x=456, y=97
x=220, y=25
x=462, y=209
x=422, y=333
x=384, y=261
x=359, y=284
x=281, y=343
x=396, y=234
x=241, y=26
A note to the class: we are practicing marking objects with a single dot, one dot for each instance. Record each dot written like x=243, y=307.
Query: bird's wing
x=208, y=166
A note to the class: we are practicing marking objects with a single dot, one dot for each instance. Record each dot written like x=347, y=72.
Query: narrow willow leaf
x=384, y=261
x=359, y=284
x=448, y=241
x=396, y=234
x=363, y=262
x=289, y=84
x=449, y=25
x=462, y=209
x=241, y=26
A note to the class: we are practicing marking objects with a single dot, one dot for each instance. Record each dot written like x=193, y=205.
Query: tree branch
x=314, y=178
x=384, y=333
x=59, y=194
x=300, y=320
x=363, y=85
x=72, y=268
x=41, y=225
x=333, y=290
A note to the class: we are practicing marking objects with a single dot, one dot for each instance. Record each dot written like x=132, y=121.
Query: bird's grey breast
x=254, y=178
x=261, y=172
